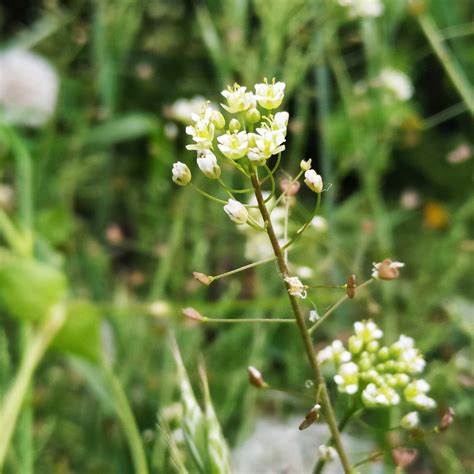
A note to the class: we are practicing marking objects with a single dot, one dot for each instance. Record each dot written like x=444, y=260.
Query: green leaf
x=128, y=127
x=29, y=288
x=80, y=334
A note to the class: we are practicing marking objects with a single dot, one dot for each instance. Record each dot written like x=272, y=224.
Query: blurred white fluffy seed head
x=363, y=8
x=28, y=88
x=396, y=82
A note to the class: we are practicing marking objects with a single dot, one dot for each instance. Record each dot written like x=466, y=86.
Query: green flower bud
x=218, y=119
x=234, y=125
x=252, y=116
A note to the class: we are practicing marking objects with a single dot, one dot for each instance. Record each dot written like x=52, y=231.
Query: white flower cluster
x=380, y=375
x=255, y=133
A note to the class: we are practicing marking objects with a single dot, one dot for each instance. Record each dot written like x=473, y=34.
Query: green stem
x=200, y=191
x=448, y=61
x=245, y=267
x=308, y=344
x=128, y=422
x=342, y=424
x=248, y=320
x=334, y=307
x=15, y=396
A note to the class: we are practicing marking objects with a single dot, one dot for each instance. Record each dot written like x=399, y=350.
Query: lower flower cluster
x=379, y=375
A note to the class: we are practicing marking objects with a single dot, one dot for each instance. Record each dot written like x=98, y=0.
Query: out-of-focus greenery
x=111, y=229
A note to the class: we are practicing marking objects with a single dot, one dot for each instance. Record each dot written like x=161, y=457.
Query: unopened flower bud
x=207, y=163
x=193, y=314
x=252, y=116
x=234, y=125
x=218, y=119
x=351, y=286
x=310, y=417
x=181, y=174
x=256, y=378
x=314, y=181
x=203, y=278
x=305, y=165
x=386, y=270
x=446, y=420
x=410, y=420
x=289, y=187
x=236, y=211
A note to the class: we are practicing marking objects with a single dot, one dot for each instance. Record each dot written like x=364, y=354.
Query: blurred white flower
x=183, y=109
x=270, y=96
x=327, y=453
x=410, y=199
x=363, y=8
x=460, y=154
x=336, y=353
x=396, y=82
x=319, y=223
x=380, y=396
x=410, y=420
x=28, y=88
x=304, y=272
x=415, y=393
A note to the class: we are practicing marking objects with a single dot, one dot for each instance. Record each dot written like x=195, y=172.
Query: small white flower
x=280, y=122
x=181, y=174
x=264, y=144
x=380, y=396
x=28, y=88
x=236, y=211
x=202, y=131
x=327, y=453
x=270, y=96
x=305, y=165
x=313, y=317
x=238, y=99
x=313, y=180
x=415, y=393
x=207, y=163
x=367, y=331
x=296, y=288
x=410, y=420
x=347, y=378
x=233, y=145
x=396, y=82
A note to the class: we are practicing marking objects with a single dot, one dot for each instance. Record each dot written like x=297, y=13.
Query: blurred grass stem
x=34, y=351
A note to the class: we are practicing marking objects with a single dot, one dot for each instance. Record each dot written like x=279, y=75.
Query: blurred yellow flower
x=436, y=216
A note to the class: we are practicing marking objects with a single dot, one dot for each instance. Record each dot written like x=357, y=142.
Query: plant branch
x=310, y=351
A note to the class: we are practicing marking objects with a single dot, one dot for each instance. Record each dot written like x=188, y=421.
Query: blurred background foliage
x=106, y=216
